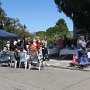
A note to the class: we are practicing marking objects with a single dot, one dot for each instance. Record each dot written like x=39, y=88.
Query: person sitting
x=51, y=45
x=19, y=45
x=5, y=48
x=17, y=57
x=8, y=45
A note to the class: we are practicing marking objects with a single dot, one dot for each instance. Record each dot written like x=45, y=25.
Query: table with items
x=68, y=52
x=52, y=51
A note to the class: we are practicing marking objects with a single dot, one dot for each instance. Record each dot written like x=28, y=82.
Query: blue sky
x=37, y=15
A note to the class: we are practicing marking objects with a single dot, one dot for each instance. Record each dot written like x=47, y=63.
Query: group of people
x=40, y=48
x=83, y=45
x=35, y=45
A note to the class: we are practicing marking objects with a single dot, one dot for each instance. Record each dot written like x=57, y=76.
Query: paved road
x=47, y=79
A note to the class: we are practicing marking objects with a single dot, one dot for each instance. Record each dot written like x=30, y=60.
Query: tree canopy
x=60, y=29
x=54, y=33
x=12, y=25
x=77, y=10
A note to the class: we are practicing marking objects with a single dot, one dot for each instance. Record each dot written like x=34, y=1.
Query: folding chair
x=23, y=59
x=12, y=58
x=4, y=59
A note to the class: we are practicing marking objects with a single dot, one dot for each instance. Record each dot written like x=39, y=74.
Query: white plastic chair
x=40, y=62
x=12, y=58
x=23, y=59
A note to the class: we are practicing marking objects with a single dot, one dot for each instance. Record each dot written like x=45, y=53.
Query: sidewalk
x=57, y=63
x=64, y=64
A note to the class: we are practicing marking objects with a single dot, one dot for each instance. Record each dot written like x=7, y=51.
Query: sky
x=37, y=15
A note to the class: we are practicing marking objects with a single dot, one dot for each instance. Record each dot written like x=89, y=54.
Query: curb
x=73, y=68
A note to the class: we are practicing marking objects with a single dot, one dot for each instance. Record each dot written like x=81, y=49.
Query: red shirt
x=37, y=44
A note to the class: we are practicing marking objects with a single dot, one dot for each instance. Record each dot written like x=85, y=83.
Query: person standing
x=81, y=45
x=44, y=42
x=44, y=49
x=38, y=43
x=88, y=49
x=60, y=44
x=65, y=41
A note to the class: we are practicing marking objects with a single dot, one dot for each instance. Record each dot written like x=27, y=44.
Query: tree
x=12, y=25
x=41, y=33
x=60, y=29
x=77, y=10
x=2, y=16
x=61, y=22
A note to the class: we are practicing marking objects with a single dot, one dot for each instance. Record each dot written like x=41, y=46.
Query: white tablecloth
x=67, y=52
x=52, y=51
x=88, y=53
